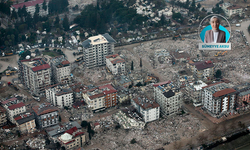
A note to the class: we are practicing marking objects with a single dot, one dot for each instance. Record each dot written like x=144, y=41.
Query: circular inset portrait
x=212, y=29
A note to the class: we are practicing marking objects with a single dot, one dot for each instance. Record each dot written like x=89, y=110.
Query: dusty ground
x=234, y=64
x=155, y=135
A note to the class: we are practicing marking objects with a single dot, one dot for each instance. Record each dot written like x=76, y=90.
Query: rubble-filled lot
x=155, y=135
x=234, y=64
x=92, y=76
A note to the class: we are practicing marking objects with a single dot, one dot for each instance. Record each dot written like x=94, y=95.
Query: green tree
x=187, y=4
x=14, y=14
x=66, y=23
x=44, y=5
x=218, y=74
x=133, y=141
x=198, y=5
x=37, y=9
x=140, y=62
x=84, y=124
x=57, y=21
x=192, y=7
x=132, y=65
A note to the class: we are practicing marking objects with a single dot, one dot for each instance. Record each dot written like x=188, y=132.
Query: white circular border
x=214, y=15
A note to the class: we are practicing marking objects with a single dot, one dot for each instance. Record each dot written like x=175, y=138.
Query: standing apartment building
x=203, y=70
x=61, y=70
x=26, y=122
x=243, y=96
x=13, y=107
x=96, y=48
x=218, y=99
x=231, y=9
x=115, y=64
x=31, y=7
x=35, y=74
x=59, y=95
x=149, y=109
x=101, y=98
x=168, y=97
x=3, y=116
x=46, y=115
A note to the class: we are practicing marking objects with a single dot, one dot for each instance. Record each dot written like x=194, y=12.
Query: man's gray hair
x=213, y=18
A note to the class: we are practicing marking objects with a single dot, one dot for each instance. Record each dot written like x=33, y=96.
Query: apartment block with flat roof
x=3, y=116
x=46, y=115
x=61, y=70
x=96, y=48
x=13, y=107
x=35, y=74
x=218, y=99
x=148, y=108
x=59, y=95
x=168, y=97
x=115, y=64
x=101, y=98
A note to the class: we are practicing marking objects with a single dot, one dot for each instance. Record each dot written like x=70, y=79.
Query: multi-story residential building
x=202, y=70
x=59, y=95
x=96, y=48
x=13, y=107
x=168, y=97
x=115, y=64
x=3, y=116
x=218, y=99
x=46, y=115
x=31, y=7
x=72, y=138
x=231, y=9
x=35, y=74
x=243, y=96
x=101, y=97
x=25, y=122
x=61, y=70
x=149, y=109
x=193, y=91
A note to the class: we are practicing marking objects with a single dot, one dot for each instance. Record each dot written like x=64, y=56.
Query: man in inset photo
x=215, y=35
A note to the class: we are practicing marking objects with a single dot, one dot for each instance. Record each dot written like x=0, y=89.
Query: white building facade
x=149, y=109
x=218, y=99
x=35, y=74
x=115, y=64
x=61, y=70
x=59, y=95
x=96, y=48
x=169, y=99
x=231, y=9
x=13, y=107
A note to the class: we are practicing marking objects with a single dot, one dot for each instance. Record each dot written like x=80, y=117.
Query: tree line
x=24, y=21
x=108, y=13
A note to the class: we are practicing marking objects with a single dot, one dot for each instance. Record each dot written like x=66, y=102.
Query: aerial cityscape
x=124, y=74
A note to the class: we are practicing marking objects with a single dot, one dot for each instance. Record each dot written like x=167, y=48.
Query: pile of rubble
x=156, y=134
x=36, y=143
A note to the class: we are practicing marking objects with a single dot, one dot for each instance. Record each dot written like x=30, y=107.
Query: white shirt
x=215, y=36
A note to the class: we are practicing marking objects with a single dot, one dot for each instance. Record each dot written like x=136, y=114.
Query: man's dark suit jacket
x=209, y=37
